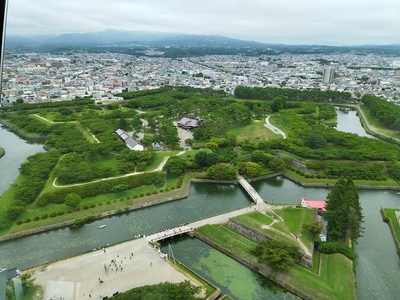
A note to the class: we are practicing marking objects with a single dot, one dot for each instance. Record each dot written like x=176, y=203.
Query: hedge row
x=100, y=187
x=336, y=247
x=319, y=176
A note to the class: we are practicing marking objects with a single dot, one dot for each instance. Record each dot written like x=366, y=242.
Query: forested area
x=269, y=93
x=84, y=147
x=386, y=112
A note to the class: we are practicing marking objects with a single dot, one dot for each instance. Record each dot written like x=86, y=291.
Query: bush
x=53, y=214
x=77, y=208
x=41, y=201
x=108, y=202
x=36, y=218
x=19, y=222
x=69, y=210
x=155, y=192
x=100, y=204
x=141, y=195
x=45, y=216
x=86, y=206
x=148, y=193
x=27, y=220
x=336, y=247
x=60, y=213
x=92, y=205
x=135, y=196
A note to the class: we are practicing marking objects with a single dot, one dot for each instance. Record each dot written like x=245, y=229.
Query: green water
x=231, y=277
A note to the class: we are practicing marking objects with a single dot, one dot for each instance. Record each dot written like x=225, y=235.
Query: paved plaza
x=104, y=272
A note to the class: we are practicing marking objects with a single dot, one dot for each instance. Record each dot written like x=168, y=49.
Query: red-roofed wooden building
x=320, y=205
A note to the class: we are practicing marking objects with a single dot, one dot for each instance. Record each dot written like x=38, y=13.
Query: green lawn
x=255, y=219
x=255, y=130
x=391, y=214
x=294, y=219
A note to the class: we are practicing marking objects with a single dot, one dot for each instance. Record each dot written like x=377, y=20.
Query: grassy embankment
x=95, y=206
x=392, y=216
x=377, y=126
x=332, y=279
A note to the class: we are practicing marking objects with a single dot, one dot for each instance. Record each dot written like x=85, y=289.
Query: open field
x=256, y=130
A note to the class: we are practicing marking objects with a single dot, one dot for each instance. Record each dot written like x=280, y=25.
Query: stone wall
x=21, y=133
x=257, y=236
x=261, y=269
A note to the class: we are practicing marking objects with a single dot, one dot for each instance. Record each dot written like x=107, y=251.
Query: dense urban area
x=40, y=77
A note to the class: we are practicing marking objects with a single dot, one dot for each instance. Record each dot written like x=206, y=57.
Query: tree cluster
x=278, y=255
x=344, y=213
x=386, y=112
x=268, y=93
x=169, y=291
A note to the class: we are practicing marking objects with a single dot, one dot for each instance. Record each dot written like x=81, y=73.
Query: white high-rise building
x=328, y=74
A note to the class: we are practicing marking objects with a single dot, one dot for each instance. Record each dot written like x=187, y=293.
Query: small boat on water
x=102, y=226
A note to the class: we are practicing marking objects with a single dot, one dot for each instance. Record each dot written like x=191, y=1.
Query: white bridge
x=250, y=190
x=167, y=233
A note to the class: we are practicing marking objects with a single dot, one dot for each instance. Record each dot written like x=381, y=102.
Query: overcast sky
x=328, y=22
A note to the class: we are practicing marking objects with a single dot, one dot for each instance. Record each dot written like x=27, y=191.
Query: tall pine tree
x=344, y=212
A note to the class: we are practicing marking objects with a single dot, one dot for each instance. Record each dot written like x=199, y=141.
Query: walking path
x=273, y=128
x=224, y=218
x=158, y=169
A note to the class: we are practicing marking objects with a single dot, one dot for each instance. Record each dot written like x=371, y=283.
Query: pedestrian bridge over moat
x=179, y=230
x=250, y=190
x=168, y=233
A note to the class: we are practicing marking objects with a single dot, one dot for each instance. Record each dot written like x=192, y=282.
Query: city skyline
x=288, y=22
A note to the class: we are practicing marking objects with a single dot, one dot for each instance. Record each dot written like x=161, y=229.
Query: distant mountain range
x=109, y=37
x=173, y=44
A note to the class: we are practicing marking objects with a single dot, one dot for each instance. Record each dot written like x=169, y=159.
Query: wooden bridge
x=250, y=190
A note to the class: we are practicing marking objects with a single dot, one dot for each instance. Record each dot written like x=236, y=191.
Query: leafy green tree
x=278, y=103
x=261, y=158
x=250, y=169
x=222, y=171
x=277, y=254
x=13, y=211
x=344, y=212
x=72, y=200
x=314, y=228
x=176, y=165
x=276, y=164
x=394, y=171
x=211, y=145
x=136, y=123
x=206, y=159
x=65, y=111
x=315, y=141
